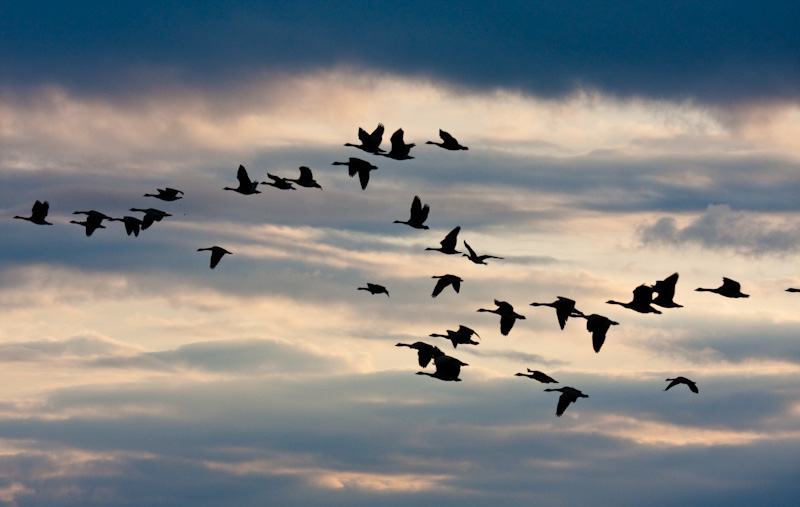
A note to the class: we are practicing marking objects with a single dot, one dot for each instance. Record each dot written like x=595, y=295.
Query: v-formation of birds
x=447, y=368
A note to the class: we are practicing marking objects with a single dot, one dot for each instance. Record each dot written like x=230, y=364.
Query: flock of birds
x=447, y=368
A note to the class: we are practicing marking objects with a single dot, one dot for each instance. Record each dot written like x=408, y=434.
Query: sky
x=610, y=145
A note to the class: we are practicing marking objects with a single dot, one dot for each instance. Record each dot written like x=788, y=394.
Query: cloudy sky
x=610, y=145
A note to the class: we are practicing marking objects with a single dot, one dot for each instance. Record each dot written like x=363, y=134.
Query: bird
x=682, y=380
x=449, y=143
x=507, y=316
x=477, y=259
x=598, y=326
x=278, y=182
x=564, y=308
x=729, y=289
x=537, y=375
x=448, y=243
x=666, y=291
x=166, y=194
x=132, y=224
x=306, y=179
x=246, y=187
x=461, y=337
x=374, y=288
x=447, y=368
x=39, y=213
x=94, y=220
x=370, y=142
x=444, y=281
x=360, y=167
x=151, y=215
x=419, y=214
x=568, y=395
x=399, y=149
x=642, y=299
x=216, y=254
x=425, y=352
x=792, y=289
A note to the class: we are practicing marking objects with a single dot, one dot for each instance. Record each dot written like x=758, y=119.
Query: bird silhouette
x=564, y=308
x=507, y=316
x=399, y=149
x=306, y=179
x=447, y=368
x=444, y=281
x=94, y=220
x=568, y=395
x=449, y=143
x=246, y=187
x=729, y=289
x=166, y=194
x=425, y=352
x=39, y=213
x=374, y=288
x=132, y=224
x=477, y=259
x=369, y=142
x=666, y=291
x=598, y=326
x=682, y=380
x=419, y=214
x=360, y=167
x=151, y=215
x=461, y=337
x=642, y=299
x=448, y=243
x=792, y=289
x=537, y=375
x=278, y=182
x=216, y=254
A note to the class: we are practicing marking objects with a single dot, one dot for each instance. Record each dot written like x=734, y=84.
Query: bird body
x=39, y=213
x=537, y=375
x=216, y=254
x=461, y=337
x=568, y=395
x=729, y=289
x=682, y=380
x=564, y=308
x=94, y=220
x=447, y=368
x=360, y=167
x=419, y=214
x=369, y=142
x=449, y=143
x=278, y=182
x=477, y=259
x=507, y=316
x=374, y=288
x=448, y=244
x=425, y=352
x=306, y=179
x=444, y=281
x=666, y=291
x=151, y=215
x=400, y=150
x=642, y=300
x=166, y=194
x=598, y=325
x=132, y=224
x=246, y=187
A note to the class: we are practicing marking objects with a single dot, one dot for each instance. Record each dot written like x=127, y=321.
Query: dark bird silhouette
x=448, y=243
x=682, y=380
x=449, y=143
x=461, y=337
x=564, y=308
x=369, y=142
x=278, y=182
x=246, y=187
x=306, y=179
x=216, y=254
x=729, y=289
x=374, y=288
x=166, y=194
x=568, y=395
x=419, y=214
x=537, y=375
x=666, y=291
x=444, y=281
x=151, y=215
x=507, y=316
x=360, y=167
x=425, y=352
x=642, y=300
x=792, y=289
x=39, y=213
x=477, y=259
x=598, y=326
x=94, y=220
x=399, y=149
x=132, y=224
x=447, y=368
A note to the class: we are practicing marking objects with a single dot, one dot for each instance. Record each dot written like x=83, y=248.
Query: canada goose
x=425, y=352
x=642, y=299
x=477, y=259
x=568, y=395
x=278, y=182
x=507, y=316
x=564, y=308
x=449, y=143
x=216, y=254
x=537, y=375
x=39, y=213
x=94, y=220
x=399, y=149
x=447, y=368
x=666, y=291
x=682, y=380
x=360, y=167
x=444, y=281
x=374, y=288
x=729, y=289
x=419, y=214
x=246, y=187
x=306, y=179
x=369, y=142
x=132, y=224
x=792, y=289
x=166, y=194
x=448, y=243
x=151, y=215
x=461, y=337
x=598, y=326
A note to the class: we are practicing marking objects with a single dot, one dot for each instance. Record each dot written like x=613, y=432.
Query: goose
x=449, y=143
x=448, y=243
x=360, y=167
x=166, y=194
x=447, y=368
x=507, y=316
x=682, y=380
x=666, y=291
x=642, y=299
x=278, y=182
x=246, y=187
x=306, y=179
x=477, y=259
x=598, y=326
x=444, y=281
x=399, y=149
x=461, y=337
x=564, y=308
x=94, y=220
x=151, y=215
x=39, y=213
x=369, y=142
x=374, y=288
x=132, y=224
x=216, y=254
x=425, y=352
x=537, y=375
x=792, y=289
x=568, y=395
x=729, y=289
x=419, y=214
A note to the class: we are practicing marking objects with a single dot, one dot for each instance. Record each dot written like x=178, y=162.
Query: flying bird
x=449, y=143
x=425, y=352
x=666, y=291
x=682, y=380
x=507, y=316
x=216, y=254
x=94, y=220
x=792, y=289
x=477, y=259
x=419, y=214
x=166, y=194
x=537, y=375
x=132, y=224
x=306, y=179
x=246, y=187
x=447, y=368
x=564, y=308
x=278, y=182
x=151, y=215
x=461, y=337
x=448, y=243
x=39, y=213
x=374, y=288
x=729, y=289
x=598, y=326
x=642, y=300
x=399, y=149
x=360, y=167
x=568, y=395
x=369, y=142
x=444, y=281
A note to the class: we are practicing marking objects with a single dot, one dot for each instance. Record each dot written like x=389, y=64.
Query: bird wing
x=447, y=138
x=456, y=283
x=673, y=383
x=363, y=177
x=643, y=295
x=440, y=285
x=40, y=209
x=733, y=285
x=244, y=179
x=506, y=323
x=397, y=139
x=449, y=241
x=470, y=250
x=563, y=402
x=305, y=174
x=363, y=136
x=377, y=135
x=692, y=386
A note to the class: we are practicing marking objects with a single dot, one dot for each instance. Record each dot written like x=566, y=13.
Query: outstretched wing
x=244, y=179
x=447, y=138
